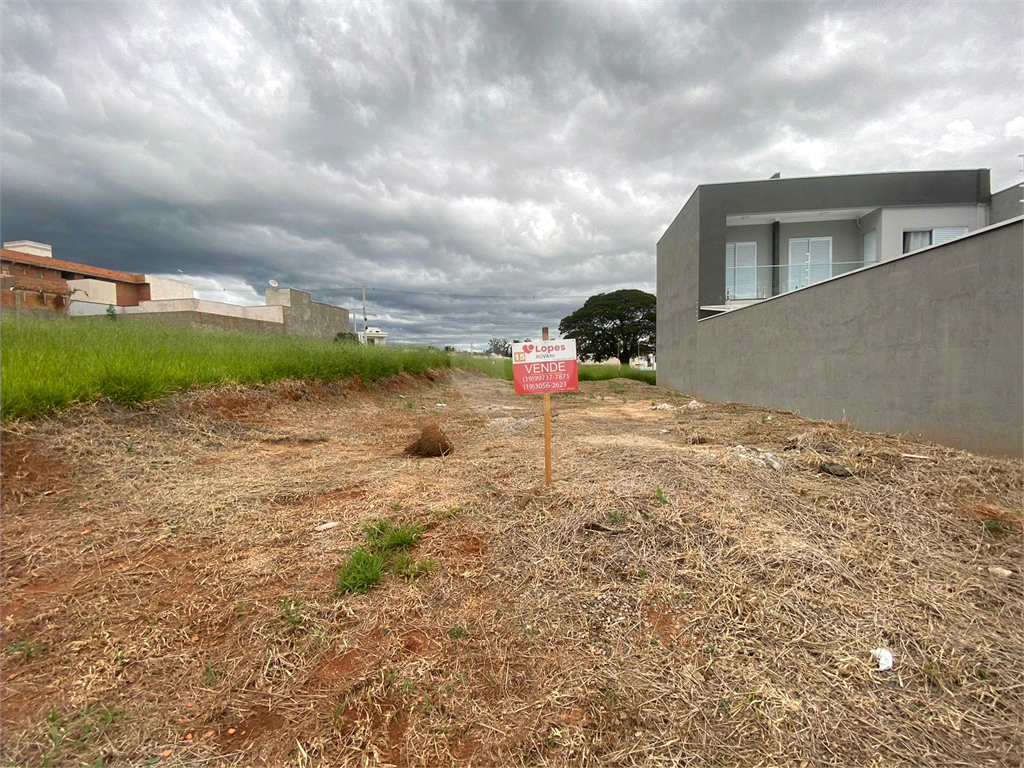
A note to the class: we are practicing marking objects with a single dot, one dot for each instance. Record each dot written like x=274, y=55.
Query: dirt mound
x=432, y=442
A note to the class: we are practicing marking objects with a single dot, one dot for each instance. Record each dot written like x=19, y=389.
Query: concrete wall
x=896, y=220
x=204, y=320
x=30, y=246
x=292, y=311
x=263, y=314
x=161, y=288
x=94, y=291
x=929, y=343
x=1007, y=204
x=304, y=317
x=678, y=294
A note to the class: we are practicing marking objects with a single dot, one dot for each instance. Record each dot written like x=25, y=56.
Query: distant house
x=35, y=281
x=892, y=300
x=373, y=337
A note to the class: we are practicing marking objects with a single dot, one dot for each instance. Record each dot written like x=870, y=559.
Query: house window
x=915, y=239
x=740, y=271
x=810, y=261
x=870, y=253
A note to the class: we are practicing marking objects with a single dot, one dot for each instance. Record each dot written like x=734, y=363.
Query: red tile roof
x=17, y=257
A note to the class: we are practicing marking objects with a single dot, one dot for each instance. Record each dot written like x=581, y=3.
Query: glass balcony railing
x=764, y=281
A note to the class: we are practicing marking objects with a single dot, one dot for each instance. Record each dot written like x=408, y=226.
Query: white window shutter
x=820, y=259
x=799, y=249
x=945, y=234
x=746, y=270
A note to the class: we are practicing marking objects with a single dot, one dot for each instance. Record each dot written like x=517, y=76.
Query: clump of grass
x=25, y=649
x=408, y=568
x=361, y=571
x=291, y=609
x=49, y=364
x=387, y=550
x=385, y=535
x=74, y=732
x=457, y=632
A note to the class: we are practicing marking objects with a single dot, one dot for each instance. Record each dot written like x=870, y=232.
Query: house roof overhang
x=17, y=257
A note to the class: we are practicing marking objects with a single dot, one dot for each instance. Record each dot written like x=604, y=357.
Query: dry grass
x=168, y=597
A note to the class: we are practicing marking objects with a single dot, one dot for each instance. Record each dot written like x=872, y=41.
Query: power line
x=477, y=295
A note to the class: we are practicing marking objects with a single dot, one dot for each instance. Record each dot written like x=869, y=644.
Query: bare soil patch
x=167, y=585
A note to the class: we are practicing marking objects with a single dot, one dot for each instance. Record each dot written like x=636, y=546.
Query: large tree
x=618, y=324
x=499, y=347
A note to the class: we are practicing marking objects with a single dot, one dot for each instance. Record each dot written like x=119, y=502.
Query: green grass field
x=50, y=364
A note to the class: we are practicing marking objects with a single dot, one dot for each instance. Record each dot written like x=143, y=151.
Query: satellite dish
x=273, y=283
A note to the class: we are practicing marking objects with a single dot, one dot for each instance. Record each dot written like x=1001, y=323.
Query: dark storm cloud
x=535, y=151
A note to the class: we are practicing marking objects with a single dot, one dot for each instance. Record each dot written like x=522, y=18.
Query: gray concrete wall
x=191, y=319
x=930, y=343
x=678, y=256
x=1006, y=204
x=304, y=317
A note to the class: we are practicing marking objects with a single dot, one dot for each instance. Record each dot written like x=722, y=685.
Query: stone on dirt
x=836, y=470
x=432, y=442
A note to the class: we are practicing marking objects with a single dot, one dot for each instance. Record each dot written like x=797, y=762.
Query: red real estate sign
x=543, y=367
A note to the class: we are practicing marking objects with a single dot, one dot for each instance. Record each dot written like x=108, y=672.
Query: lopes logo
x=544, y=348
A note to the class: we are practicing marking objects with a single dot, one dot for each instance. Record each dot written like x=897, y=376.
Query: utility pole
x=364, y=309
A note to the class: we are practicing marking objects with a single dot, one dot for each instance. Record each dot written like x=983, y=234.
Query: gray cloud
x=500, y=149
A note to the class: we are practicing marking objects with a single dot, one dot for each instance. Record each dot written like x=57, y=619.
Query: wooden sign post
x=542, y=368
x=547, y=424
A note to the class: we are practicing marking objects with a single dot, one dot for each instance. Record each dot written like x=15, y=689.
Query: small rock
x=757, y=456
x=327, y=526
x=694, y=405
x=995, y=570
x=432, y=442
x=663, y=407
x=836, y=470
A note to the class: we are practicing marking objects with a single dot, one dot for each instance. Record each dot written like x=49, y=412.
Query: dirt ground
x=676, y=596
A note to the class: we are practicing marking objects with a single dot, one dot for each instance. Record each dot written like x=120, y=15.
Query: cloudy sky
x=481, y=167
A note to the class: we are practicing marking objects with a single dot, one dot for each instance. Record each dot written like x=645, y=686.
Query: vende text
x=559, y=367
